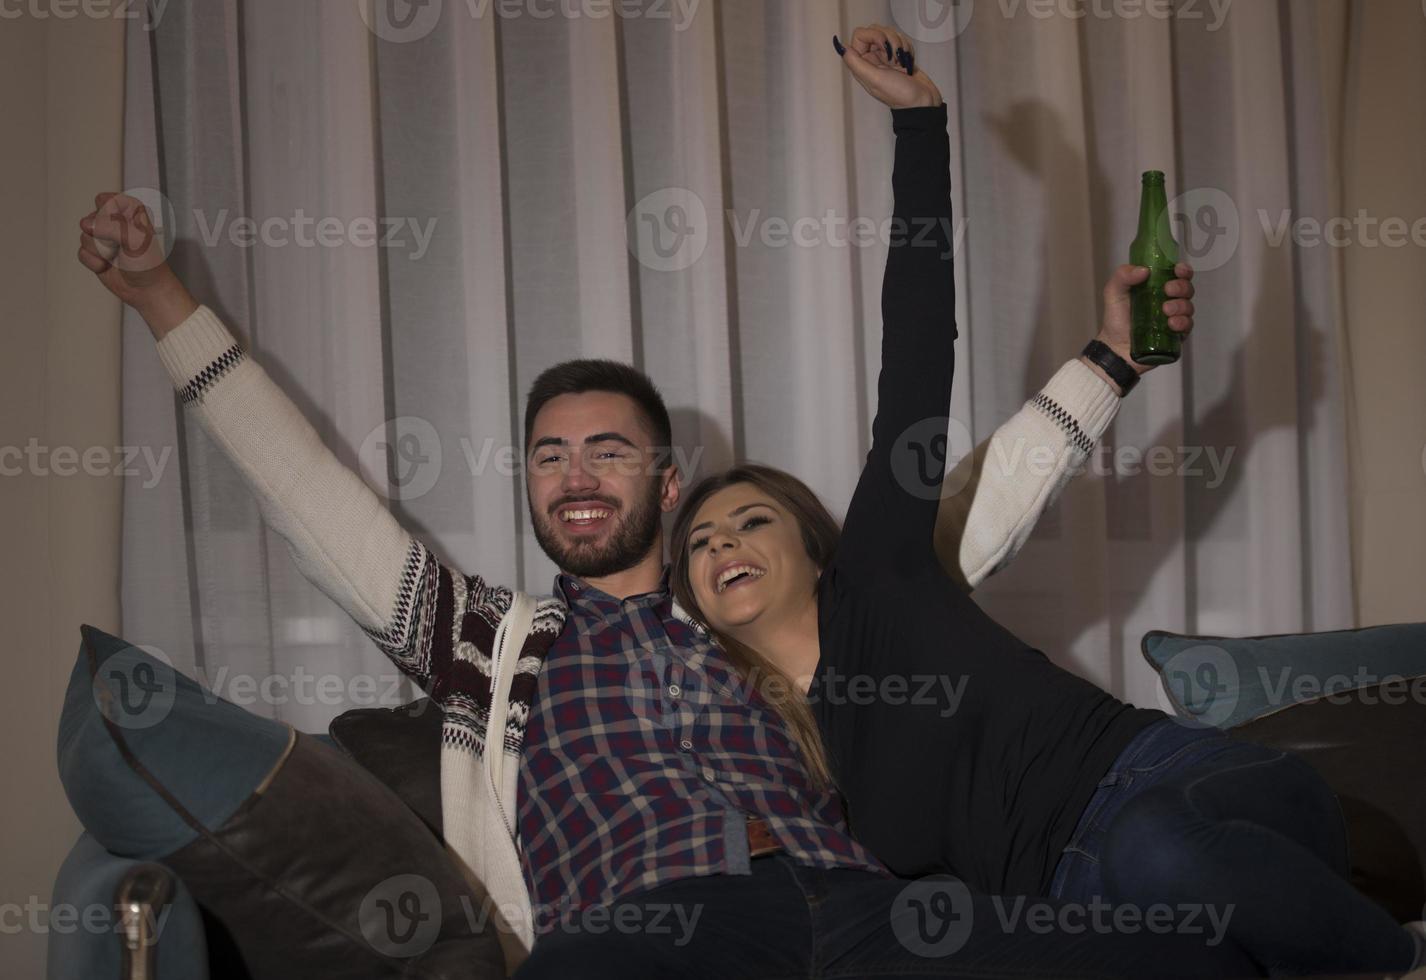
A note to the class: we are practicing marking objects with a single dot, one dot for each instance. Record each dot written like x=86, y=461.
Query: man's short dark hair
x=578, y=377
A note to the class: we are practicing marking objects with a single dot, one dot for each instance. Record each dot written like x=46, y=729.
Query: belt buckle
x=761, y=842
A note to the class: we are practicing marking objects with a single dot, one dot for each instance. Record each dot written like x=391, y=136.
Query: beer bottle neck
x=1152, y=206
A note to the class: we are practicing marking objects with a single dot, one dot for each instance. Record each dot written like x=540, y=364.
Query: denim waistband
x=1157, y=741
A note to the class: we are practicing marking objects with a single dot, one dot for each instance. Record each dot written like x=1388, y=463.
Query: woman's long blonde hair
x=820, y=534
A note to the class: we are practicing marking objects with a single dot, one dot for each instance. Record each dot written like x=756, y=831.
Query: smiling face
x=594, y=492
x=747, y=561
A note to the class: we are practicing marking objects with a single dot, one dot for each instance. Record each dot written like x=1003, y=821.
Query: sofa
x=1352, y=703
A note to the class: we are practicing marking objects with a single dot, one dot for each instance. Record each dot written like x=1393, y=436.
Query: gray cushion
x=207, y=752
x=1226, y=681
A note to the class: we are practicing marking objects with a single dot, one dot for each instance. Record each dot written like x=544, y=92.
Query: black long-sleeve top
x=957, y=747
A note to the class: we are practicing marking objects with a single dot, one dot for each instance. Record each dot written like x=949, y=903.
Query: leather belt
x=761, y=842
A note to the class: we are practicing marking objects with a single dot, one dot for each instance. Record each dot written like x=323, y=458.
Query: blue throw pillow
x=206, y=752
x=1226, y=681
x=312, y=865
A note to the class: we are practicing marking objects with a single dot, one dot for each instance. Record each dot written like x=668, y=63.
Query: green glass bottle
x=1151, y=341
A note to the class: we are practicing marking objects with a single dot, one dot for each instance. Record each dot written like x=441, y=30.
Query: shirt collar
x=576, y=591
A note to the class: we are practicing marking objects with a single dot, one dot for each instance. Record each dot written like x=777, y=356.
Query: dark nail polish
x=837, y=44
x=910, y=63
x=888, y=50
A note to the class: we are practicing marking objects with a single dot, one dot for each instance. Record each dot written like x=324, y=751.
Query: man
x=597, y=748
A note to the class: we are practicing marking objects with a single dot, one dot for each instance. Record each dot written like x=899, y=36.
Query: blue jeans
x=1246, y=839
x=784, y=920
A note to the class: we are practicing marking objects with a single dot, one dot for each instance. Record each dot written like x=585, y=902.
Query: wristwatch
x=1123, y=373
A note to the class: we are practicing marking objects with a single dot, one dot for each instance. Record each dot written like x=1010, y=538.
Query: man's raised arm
x=339, y=532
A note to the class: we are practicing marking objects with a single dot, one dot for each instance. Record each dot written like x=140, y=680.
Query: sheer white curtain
x=679, y=184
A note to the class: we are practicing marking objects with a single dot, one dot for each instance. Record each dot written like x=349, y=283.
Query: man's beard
x=629, y=544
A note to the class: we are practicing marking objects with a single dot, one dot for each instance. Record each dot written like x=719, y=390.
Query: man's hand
x=117, y=243
x=883, y=60
x=1117, y=325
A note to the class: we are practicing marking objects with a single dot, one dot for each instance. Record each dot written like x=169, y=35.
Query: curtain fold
x=699, y=189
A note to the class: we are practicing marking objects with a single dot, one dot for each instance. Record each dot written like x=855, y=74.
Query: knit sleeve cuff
x=1080, y=402
x=198, y=353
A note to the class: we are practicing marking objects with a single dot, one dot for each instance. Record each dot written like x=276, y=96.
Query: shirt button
x=686, y=745
x=674, y=690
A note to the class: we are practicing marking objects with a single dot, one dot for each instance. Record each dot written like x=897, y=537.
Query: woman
x=1017, y=776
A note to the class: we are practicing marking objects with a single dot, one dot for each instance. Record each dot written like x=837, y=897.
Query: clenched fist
x=119, y=244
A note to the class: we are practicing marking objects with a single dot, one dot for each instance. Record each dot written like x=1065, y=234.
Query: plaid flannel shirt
x=643, y=755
